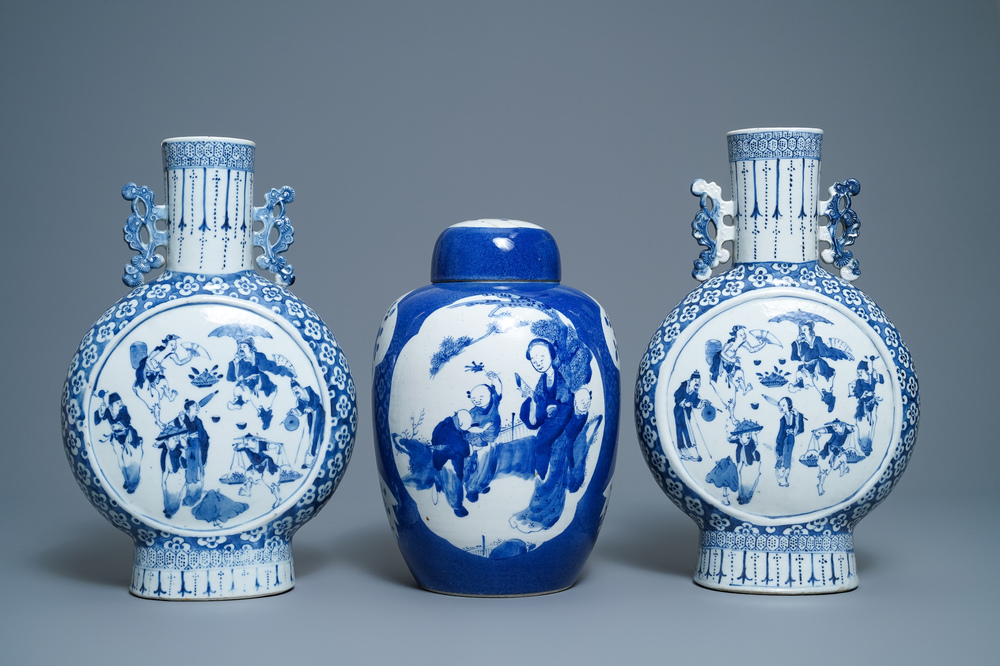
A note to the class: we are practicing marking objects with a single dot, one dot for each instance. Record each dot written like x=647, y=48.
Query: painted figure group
x=184, y=442
x=546, y=442
x=469, y=449
x=833, y=446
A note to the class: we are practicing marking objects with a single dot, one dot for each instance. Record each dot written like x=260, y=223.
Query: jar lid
x=495, y=250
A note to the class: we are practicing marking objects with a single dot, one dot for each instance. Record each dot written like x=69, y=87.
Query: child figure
x=449, y=445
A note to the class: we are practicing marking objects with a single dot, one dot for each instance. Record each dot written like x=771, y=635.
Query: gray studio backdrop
x=393, y=120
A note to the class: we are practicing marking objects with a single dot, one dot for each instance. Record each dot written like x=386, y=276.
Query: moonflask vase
x=209, y=413
x=777, y=404
x=496, y=400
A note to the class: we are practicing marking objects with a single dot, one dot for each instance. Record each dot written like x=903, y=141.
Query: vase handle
x=269, y=260
x=838, y=209
x=713, y=209
x=147, y=259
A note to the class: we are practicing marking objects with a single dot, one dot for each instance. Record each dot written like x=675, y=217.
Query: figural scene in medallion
x=777, y=404
x=507, y=429
x=188, y=381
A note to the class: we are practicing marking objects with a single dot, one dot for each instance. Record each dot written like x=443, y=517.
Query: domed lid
x=500, y=250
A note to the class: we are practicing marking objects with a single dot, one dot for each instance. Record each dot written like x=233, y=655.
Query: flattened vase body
x=496, y=394
x=776, y=405
x=209, y=413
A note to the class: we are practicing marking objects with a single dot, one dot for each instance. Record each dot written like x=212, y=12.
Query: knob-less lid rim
x=495, y=250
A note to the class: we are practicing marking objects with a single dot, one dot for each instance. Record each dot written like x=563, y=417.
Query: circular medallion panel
x=778, y=407
x=206, y=416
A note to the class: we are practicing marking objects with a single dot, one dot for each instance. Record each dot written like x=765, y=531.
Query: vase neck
x=775, y=178
x=209, y=193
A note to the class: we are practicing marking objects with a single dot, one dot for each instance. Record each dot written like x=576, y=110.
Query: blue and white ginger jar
x=776, y=405
x=209, y=413
x=496, y=399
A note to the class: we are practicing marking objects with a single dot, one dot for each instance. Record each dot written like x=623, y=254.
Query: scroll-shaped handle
x=713, y=209
x=147, y=259
x=269, y=260
x=838, y=210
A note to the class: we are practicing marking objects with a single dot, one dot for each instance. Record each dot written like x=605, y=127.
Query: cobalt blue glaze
x=516, y=253
x=486, y=496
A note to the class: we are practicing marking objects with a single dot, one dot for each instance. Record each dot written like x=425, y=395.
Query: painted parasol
x=239, y=331
x=800, y=316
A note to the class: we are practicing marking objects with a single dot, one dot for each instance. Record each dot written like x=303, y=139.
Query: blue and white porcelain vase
x=496, y=398
x=776, y=405
x=209, y=413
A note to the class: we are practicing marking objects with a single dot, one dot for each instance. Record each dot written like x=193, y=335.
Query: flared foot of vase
x=207, y=575
x=751, y=571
